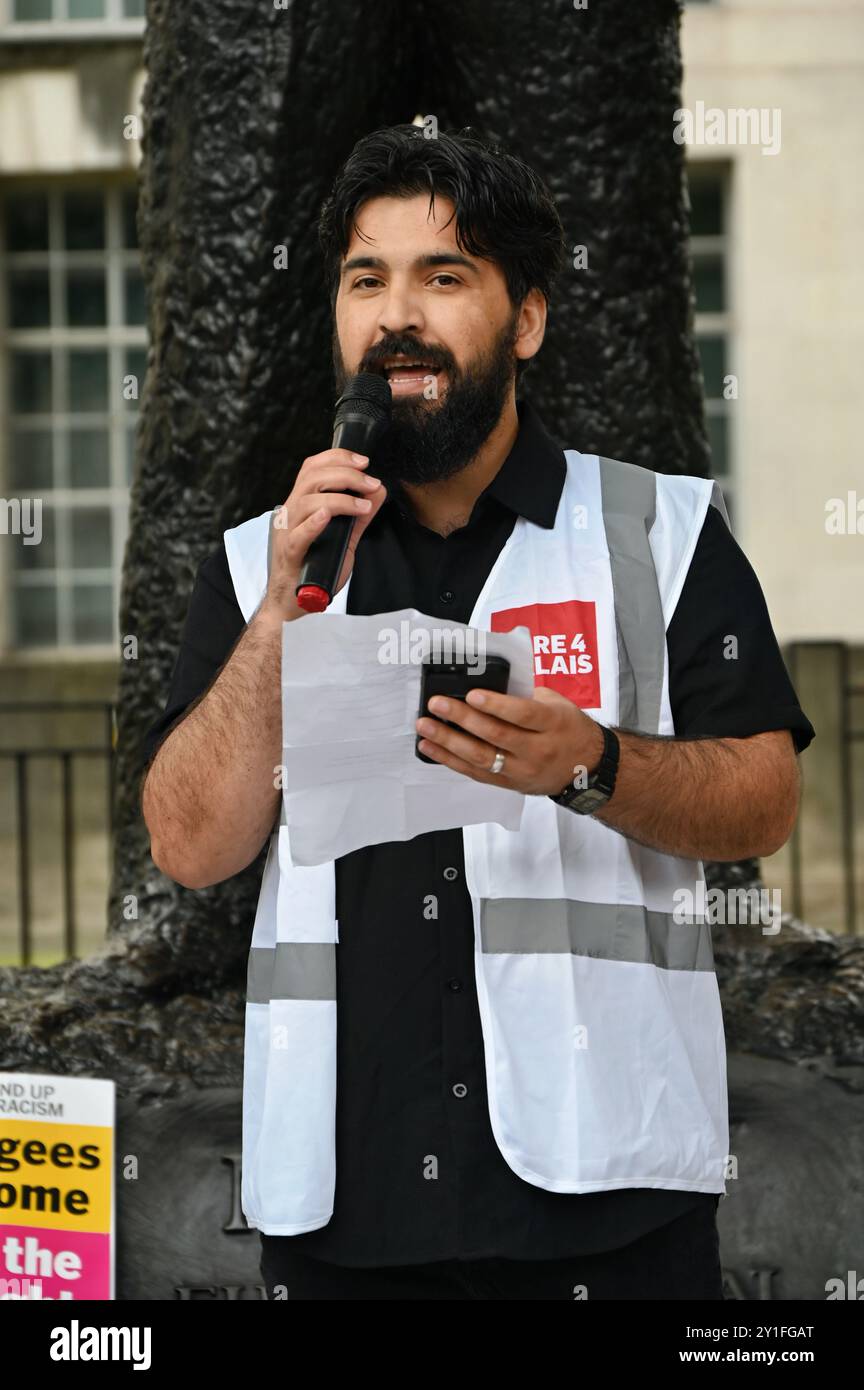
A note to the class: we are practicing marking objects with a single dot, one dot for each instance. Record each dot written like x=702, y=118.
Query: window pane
x=130, y=455
x=88, y=458
x=38, y=554
x=136, y=308
x=133, y=9
x=31, y=381
x=710, y=284
x=712, y=352
x=717, y=439
x=90, y=531
x=706, y=206
x=26, y=221
x=84, y=221
x=29, y=299
x=92, y=616
x=86, y=9
x=30, y=460
x=31, y=9
x=88, y=380
x=136, y=366
x=85, y=298
x=130, y=212
x=36, y=616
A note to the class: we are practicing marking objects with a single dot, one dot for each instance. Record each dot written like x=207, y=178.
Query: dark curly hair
x=503, y=210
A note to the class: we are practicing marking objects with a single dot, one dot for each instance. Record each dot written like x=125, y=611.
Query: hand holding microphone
x=317, y=529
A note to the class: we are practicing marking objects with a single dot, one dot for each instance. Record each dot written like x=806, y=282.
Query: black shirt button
x=455, y=985
x=450, y=874
x=447, y=596
x=460, y=1090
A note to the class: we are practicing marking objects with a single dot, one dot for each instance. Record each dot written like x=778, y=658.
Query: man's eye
x=365, y=280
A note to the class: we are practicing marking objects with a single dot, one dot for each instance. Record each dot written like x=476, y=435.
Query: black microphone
x=362, y=417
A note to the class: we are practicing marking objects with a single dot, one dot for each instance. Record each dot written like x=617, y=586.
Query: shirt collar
x=531, y=478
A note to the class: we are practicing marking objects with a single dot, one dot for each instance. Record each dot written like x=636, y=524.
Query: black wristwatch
x=601, y=782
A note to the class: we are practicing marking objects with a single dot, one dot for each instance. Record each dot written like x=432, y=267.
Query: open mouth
x=413, y=379
x=410, y=371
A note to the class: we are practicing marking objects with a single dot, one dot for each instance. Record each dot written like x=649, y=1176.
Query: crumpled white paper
x=350, y=697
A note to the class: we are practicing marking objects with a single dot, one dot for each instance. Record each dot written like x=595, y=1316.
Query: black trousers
x=680, y=1260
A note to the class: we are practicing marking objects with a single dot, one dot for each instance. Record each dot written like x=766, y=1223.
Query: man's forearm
x=711, y=798
x=209, y=798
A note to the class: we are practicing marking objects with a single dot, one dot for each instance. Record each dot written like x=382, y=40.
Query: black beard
x=429, y=441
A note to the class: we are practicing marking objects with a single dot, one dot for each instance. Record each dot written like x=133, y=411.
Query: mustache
x=414, y=352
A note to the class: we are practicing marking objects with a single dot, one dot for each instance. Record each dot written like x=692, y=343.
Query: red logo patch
x=564, y=637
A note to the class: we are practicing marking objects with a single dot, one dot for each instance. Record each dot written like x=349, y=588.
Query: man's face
x=453, y=316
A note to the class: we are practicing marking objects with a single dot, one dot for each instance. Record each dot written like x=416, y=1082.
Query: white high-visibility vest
x=602, y=1026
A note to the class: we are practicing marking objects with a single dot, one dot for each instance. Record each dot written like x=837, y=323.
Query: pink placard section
x=39, y=1263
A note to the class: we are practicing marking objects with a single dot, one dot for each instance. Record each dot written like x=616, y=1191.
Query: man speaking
x=481, y=1063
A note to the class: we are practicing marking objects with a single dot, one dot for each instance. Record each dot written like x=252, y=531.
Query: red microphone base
x=312, y=598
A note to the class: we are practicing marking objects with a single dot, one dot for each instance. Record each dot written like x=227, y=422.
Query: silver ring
x=497, y=762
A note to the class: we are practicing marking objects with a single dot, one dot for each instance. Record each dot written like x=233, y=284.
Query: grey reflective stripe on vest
x=283, y=819
x=628, y=514
x=607, y=931
x=291, y=970
x=719, y=501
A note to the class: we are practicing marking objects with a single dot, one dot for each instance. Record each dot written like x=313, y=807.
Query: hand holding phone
x=454, y=679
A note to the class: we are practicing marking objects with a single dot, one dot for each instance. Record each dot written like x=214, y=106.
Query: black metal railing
x=847, y=736
x=21, y=760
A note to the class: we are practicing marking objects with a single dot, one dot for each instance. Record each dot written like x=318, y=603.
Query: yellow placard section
x=55, y=1175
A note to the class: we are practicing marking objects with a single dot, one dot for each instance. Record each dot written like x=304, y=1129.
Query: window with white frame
x=709, y=249
x=69, y=11
x=74, y=349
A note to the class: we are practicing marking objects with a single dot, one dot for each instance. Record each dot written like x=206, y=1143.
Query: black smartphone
x=455, y=679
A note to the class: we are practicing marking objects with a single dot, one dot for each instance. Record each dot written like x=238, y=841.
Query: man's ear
x=532, y=325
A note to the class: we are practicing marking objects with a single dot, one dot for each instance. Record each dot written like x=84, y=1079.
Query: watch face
x=601, y=782
x=586, y=800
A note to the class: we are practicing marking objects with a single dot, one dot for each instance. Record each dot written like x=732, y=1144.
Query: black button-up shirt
x=419, y=1176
